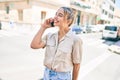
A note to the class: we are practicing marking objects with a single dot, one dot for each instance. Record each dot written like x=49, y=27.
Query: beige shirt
x=60, y=56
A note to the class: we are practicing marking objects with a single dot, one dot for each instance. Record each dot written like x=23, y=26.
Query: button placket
x=56, y=47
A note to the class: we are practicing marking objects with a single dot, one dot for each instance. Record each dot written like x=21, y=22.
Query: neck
x=63, y=31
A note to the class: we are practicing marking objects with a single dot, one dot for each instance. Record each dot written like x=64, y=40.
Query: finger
x=51, y=19
x=47, y=21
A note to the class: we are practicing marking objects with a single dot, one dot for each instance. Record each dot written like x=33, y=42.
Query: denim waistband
x=53, y=75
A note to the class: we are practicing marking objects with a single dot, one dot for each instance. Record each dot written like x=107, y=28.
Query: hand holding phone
x=52, y=24
x=48, y=23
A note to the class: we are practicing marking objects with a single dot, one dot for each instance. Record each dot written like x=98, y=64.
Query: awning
x=80, y=4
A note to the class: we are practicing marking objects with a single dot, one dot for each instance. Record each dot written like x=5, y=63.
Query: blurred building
x=29, y=11
x=13, y=9
x=35, y=11
x=88, y=10
x=117, y=17
x=107, y=12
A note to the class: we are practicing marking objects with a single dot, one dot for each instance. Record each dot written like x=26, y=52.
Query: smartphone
x=52, y=24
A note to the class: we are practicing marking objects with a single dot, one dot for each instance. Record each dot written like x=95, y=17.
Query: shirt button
x=54, y=69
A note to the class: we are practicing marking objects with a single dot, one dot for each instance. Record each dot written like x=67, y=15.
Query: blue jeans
x=52, y=75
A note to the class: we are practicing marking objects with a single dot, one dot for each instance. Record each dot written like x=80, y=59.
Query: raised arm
x=37, y=40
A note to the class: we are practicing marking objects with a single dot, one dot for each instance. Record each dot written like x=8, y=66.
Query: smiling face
x=59, y=19
x=64, y=17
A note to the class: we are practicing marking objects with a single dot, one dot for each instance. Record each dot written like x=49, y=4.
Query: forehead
x=61, y=10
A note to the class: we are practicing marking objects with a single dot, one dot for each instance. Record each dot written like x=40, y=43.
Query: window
x=111, y=8
x=43, y=15
x=110, y=16
x=113, y=1
x=105, y=12
x=111, y=28
x=82, y=0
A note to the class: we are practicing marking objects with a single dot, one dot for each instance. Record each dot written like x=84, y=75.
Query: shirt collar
x=68, y=35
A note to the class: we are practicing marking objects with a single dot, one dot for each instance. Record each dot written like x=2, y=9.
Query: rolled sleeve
x=44, y=39
x=77, y=51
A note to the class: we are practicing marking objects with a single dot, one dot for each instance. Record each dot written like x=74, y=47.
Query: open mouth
x=55, y=21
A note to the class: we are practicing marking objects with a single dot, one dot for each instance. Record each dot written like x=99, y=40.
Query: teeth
x=55, y=21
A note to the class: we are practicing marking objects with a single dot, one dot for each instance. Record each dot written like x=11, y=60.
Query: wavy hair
x=70, y=14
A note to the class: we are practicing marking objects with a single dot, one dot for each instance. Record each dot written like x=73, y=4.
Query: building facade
x=90, y=12
x=107, y=12
x=29, y=11
x=117, y=17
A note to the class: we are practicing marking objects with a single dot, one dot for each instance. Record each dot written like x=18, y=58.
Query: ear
x=69, y=21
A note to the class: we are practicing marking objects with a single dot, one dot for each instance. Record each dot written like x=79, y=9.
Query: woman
x=63, y=48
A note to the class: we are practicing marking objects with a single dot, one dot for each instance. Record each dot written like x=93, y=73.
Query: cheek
x=61, y=21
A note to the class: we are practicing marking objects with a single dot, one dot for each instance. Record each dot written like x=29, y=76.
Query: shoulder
x=51, y=35
x=77, y=39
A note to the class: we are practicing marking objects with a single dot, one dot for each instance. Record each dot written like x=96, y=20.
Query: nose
x=55, y=17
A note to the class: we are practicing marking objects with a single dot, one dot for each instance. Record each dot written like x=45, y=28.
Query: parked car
x=110, y=32
x=91, y=28
x=118, y=33
x=97, y=28
x=77, y=29
x=115, y=48
x=100, y=27
x=86, y=29
x=94, y=28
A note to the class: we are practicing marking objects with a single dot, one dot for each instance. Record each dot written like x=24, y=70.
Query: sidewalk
x=118, y=43
x=115, y=48
x=9, y=33
x=17, y=60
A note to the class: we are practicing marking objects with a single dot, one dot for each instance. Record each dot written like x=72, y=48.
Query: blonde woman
x=63, y=48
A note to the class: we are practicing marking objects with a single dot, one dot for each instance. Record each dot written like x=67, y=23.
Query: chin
x=56, y=25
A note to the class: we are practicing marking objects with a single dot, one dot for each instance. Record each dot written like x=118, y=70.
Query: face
x=59, y=19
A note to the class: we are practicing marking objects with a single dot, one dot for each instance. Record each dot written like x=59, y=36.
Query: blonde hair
x=70, y=14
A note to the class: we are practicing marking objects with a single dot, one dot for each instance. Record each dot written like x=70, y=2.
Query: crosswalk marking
x=93, y=64
x=9, y=33
x=94, y=42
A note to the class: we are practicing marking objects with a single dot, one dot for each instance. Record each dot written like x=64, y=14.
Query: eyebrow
x=60, y=13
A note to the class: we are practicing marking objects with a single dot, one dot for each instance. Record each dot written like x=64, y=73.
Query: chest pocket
x=51, y=41
x=50, y=47
x=66, y=46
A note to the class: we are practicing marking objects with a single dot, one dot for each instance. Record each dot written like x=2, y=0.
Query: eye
x=59, y=14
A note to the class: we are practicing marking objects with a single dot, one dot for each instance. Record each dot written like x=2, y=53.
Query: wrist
x=43, y=27
x=74, y=79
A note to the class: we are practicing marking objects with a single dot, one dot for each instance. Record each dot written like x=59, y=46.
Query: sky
x=118, y=3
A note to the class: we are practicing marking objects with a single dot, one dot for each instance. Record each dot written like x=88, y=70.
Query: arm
x=77, y=57
x=37, y=40
x=76, y=68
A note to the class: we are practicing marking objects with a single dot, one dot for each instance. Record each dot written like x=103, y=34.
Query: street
x=19, y=62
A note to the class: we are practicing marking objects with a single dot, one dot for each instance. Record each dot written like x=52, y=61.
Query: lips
x=55, y=21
